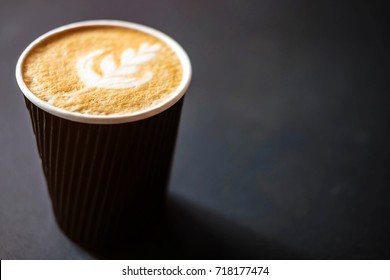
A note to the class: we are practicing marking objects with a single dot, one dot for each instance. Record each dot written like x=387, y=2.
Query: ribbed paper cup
x=107, y=176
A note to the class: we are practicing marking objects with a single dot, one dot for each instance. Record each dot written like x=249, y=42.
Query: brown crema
x=102, y=70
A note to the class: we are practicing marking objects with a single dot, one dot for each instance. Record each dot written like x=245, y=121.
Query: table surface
x=283, y=150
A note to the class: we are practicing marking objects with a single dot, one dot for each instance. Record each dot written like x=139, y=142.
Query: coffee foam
x=102, y=70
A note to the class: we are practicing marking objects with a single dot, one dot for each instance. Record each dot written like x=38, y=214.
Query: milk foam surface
x=102, y=70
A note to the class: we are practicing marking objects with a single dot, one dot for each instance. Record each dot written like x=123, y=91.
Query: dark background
x=283, y=150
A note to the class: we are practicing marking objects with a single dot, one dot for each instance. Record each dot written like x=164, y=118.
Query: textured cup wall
x=106, y=182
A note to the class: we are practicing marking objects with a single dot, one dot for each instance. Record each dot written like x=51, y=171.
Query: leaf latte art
x=117, y=76
x=103, y=70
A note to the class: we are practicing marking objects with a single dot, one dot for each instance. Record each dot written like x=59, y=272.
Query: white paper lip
x=175, y=95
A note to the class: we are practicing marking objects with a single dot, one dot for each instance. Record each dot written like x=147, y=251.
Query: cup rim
x=114, y=118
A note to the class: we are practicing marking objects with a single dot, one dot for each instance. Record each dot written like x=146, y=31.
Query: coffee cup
x=105, y=99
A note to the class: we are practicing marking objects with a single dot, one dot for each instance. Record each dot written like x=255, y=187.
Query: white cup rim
x=115, y=118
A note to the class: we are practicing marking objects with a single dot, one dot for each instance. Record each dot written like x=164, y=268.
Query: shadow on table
x=188, y=231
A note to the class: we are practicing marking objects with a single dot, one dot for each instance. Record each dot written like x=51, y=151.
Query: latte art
x=102, y=70
x=117, y=76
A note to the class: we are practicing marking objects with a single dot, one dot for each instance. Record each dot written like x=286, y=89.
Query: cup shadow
x=188, y=231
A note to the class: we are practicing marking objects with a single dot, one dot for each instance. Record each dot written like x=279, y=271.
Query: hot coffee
x=102, y=70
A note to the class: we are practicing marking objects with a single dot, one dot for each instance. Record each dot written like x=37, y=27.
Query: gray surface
x=283, y=150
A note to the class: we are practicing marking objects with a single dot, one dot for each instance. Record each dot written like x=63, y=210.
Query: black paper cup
x=107, y=176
